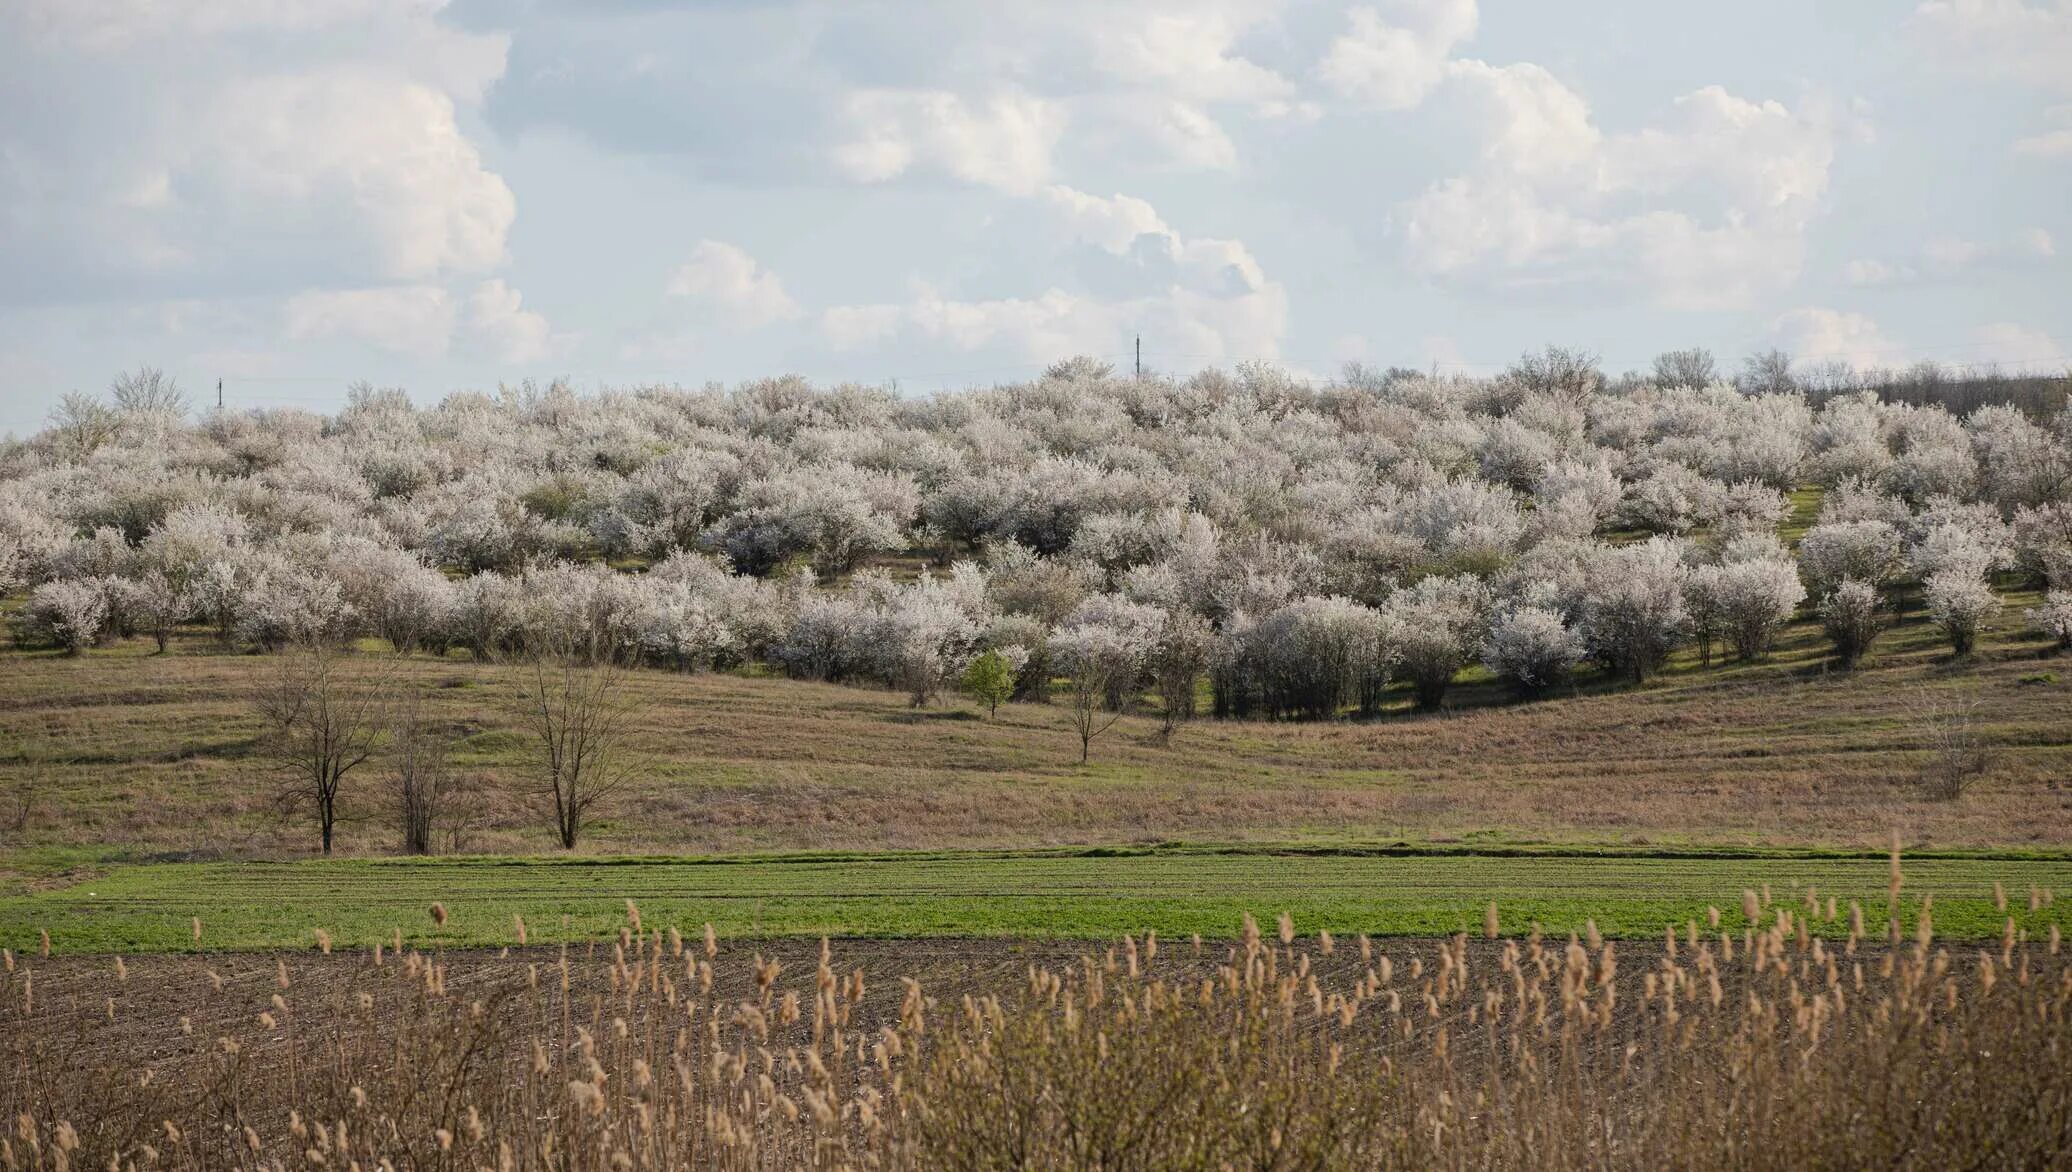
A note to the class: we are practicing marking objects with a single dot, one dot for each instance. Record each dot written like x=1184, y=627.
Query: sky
x=292, y=196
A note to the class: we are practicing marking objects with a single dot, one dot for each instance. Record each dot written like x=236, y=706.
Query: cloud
x=1203, y=297
x=2004, y=40
x=412, y=320
x=731, y=285
x=1002, y=141
x=1395, y=64
x=1707, y=208
x=1946, y=257
x=497, y=321
x=2050, y=144
x=244, y=147
x=386, y=161
x=1865, y=272
x=2019, y=347
x=1814, y=334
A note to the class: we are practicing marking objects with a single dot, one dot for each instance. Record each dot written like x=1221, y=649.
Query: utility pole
x=219, y=394
x=1140, y=356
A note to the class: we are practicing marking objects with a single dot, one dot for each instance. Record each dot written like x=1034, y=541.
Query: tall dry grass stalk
x=1773, y=1047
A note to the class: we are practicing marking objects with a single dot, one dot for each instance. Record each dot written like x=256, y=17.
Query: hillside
x=129, y=752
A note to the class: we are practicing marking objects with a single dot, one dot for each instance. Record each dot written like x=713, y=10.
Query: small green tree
x=990, y=680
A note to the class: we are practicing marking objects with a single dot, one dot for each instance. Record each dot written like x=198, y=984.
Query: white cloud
x=1950, y=253
x=247, y=145
x=1003, y=141
x=1204, y=297
x=1181, y=132
x=1706, y=207
x=1865, y=272
x=1182, y=47
x=733, y=285
x=1114, y=223
x=385, y=159
x=1709, y=208
x=497, y=320
x=2050, y=144
x=1815, y=334
x=412, y=320
x=1946, y=257
x=2019, y=347
x=2001, y=39
x=1393, y=61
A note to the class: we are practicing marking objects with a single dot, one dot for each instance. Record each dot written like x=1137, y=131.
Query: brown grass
x=158, y=754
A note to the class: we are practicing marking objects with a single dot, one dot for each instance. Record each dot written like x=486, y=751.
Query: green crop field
x=1175, y=891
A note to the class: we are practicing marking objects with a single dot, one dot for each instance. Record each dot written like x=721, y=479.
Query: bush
x=71, y=613
x=989, y=680
x=2054, y=618
x=1959, y=600
x=1851, y=617
x=1532, y=650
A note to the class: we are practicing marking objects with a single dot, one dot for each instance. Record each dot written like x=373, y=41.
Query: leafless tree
x=1097, y=662
x=148, y=390
x=1571, y=376
x=1178, y=659
x=84, y=421
x=1685, y=368
x=321, y=724
x=421, y=781
x=1959, y=754
x=1768, y=373
x=581, y=714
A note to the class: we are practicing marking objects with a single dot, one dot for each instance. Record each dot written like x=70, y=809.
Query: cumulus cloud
x=1818, y=334
x=2022, y=348
x=1708, y=207
x=1002, y=141
x=1705, y=206
x=731, y=285
x=2001, y=39
x=275, y=145
x=1393, y=59
x=412, y=320
x=1945, y=257
x=2055, y=143
x=1204, y=297
x=498, y=322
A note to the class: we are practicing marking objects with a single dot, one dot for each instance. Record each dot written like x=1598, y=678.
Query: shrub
x=2054, y=618
x=70, y=613
x=1634, y=611
x=989, y=680
x=1532, y=649
x=1756, y=598
x=1959, y=599
x=1850, y=615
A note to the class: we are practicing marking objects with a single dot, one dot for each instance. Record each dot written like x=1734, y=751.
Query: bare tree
x=421, y=746
x=1768, y=373
x=1569, y=375
x=1959, y=754
x=321, y=724
x=148, y=390
x=1179, y=657
x=83, y=421
x=1101, y=666
x=579, y=710
x=1685, y=368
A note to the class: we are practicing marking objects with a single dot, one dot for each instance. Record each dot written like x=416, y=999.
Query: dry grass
x=1766, y=1047
x=158, y=754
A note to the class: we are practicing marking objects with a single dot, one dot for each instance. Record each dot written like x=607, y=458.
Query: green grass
x=1056, y=893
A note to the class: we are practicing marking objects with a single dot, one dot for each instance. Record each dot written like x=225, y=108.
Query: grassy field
x=1175, y=891
x=156, y=755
